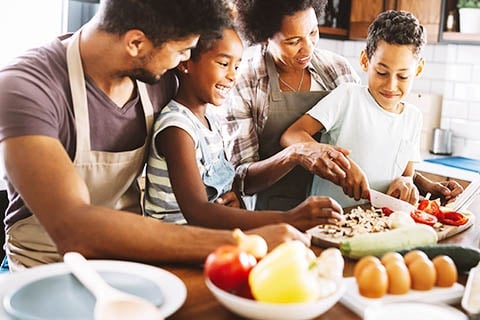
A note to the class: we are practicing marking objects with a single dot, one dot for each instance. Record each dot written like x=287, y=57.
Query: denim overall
x=219, y=172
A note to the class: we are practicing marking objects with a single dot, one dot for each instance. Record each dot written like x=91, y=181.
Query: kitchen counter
x=443, y=170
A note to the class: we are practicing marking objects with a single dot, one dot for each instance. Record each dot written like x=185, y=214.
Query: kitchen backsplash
x=451, y=71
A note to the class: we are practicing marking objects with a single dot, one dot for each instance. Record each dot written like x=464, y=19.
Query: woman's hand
x=229, y=199
x=404, y=189
x=324, y=160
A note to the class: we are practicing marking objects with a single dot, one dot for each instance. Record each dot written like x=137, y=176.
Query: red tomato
x=423, y=217
x=228, y=267
x=453, y=218
x=387, y=211
x=431, y=207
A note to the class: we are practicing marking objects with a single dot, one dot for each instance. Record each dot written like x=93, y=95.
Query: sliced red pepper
x=387, y=211
x=431, y=207
x=453, y=218
x=423, y=217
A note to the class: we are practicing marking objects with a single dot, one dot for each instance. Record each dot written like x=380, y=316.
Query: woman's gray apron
x=285, y=108
x=111, y=177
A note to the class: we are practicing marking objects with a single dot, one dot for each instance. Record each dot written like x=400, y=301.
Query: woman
x=285, y=76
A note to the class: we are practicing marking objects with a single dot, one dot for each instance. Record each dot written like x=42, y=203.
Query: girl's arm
x=178, y=148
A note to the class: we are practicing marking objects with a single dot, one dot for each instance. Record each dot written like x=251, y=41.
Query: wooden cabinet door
x=428, y=13
x=362, y=15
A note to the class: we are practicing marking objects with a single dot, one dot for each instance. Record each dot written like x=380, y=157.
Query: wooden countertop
x=201, y=304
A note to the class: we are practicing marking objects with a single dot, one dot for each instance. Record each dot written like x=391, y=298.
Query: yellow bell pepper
x=285, y=275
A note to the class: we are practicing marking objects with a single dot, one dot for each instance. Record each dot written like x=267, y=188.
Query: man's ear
x=135, y=41
x=420, y=66
x=364, y=60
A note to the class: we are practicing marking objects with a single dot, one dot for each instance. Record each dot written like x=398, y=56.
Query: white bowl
x=274, y=311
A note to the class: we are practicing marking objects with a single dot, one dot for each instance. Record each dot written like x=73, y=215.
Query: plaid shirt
x=245, y=113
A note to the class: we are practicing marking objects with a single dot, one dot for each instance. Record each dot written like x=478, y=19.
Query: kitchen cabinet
x=450, y=32
x=362, y=14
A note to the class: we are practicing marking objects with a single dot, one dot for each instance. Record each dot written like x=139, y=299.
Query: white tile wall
x=452, y=71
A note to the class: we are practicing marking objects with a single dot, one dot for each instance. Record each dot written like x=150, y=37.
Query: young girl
x=188, y=176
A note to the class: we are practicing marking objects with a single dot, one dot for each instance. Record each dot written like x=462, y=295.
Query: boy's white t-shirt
x=381, y=143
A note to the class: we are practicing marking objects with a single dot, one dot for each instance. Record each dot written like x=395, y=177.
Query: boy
x=381, y=130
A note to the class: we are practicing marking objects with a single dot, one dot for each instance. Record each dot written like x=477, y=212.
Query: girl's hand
x=229, y=199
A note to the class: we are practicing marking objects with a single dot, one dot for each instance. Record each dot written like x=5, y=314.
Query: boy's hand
x=229, y=199
x=355, y=184
x=404, y=189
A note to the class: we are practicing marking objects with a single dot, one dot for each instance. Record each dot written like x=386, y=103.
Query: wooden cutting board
x=322, y=240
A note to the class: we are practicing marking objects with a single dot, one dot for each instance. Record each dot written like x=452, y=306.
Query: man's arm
x=40, y=169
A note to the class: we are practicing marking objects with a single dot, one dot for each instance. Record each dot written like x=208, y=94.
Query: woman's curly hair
x=396, y=27
x=259, y=20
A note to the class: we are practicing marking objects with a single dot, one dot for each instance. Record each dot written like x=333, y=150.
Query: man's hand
x=404, y=189
x=276, y=234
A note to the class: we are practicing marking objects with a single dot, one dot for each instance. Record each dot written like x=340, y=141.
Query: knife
x=381, y=200
x=471, y=296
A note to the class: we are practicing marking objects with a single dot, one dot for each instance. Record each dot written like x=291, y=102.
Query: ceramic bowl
x=252, y=309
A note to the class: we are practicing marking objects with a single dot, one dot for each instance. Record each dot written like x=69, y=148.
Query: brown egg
x=364, y=262
x=413, y=255
x=391, y=256
x=446, y=270
x=373, y=281
x=399, y=281
x=423, y=274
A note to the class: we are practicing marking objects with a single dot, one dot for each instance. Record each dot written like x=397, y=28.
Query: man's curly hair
x=163, y=20
x=396, y=27
x=259, y=20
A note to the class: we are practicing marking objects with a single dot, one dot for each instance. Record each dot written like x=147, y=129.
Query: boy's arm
x=403, y=187
x=327, y=161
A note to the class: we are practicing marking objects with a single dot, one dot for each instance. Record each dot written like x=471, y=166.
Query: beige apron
x=285, y=108
x=111, y=177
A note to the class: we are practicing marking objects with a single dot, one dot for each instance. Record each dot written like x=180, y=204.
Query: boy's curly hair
x=259, y=20
x=396, y=27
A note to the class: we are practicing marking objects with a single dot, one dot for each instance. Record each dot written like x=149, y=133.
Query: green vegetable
x=468, y=4
x=465, y=258
x=376, y=244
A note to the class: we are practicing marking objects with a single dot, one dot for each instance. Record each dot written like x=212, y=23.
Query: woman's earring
x=185, y=71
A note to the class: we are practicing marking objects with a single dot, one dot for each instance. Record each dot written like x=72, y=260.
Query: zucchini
x=376, y=244
x=465, y=258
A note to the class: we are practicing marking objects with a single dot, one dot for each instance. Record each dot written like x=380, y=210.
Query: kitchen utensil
x=381, y=200
x=467, y=196
x=111, y=303
x=441, y=142
x=471, y=297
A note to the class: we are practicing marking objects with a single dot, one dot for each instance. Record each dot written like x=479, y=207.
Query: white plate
x=252, y=309
x=413, y=311
x=358, y=304
x=170, y=288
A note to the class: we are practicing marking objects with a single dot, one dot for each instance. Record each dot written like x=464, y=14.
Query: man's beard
x=144, y=76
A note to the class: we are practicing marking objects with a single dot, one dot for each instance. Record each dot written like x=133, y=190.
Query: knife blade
x=381, y=200
x=471, y=297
